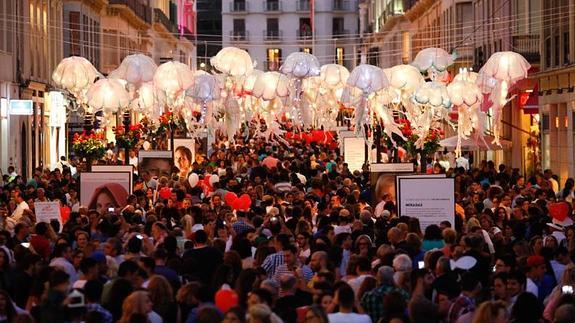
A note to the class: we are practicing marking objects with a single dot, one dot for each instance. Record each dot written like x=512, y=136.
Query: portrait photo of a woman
x=110, y=195
x=183, y=160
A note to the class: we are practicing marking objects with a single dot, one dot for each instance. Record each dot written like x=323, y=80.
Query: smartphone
x=25, y=244
x=494, y=268
x=567, y=290
x=139, y=236
x=111, y=209
x=420, y=264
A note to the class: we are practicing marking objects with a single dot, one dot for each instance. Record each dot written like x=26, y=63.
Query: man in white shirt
x=536, y=270
x=22, y=205
x=344, y=297
x=462, y=161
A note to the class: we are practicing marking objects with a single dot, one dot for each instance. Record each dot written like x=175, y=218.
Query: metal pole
x=126, y=122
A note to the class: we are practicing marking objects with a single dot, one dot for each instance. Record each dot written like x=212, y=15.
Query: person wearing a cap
x=535, y=270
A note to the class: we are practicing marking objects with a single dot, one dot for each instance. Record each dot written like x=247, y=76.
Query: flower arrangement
x=430, y=144
x=89, y=145
x=128, y=139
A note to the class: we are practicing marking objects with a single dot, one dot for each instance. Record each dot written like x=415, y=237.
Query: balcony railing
x=161, y=18
x=343, y=5
x=340, y=33
x=304, y=34
x=238, y=6
x=302, y=5
x=271, y=6
x=239, y=35
x=272, y=34
x=141, y=10
x=528, y=46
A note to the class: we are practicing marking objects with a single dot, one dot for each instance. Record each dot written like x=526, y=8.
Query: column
x=362, y=25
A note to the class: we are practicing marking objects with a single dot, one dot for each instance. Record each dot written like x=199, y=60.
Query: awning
x=472, y=143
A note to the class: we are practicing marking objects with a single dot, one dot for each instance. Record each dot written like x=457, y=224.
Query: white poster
x=354, y=152
x=46, y=211
x=430, y=199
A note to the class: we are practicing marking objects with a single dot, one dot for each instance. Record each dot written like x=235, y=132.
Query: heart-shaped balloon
x=558, y=211
x=230, y=198
x=242, y=203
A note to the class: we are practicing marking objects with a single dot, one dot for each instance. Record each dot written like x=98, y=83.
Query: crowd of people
x=310, y=246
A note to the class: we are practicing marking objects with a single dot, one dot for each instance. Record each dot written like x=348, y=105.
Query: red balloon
x=558, y=211
x=230, y=198
x=226, y=299
x=242, y=203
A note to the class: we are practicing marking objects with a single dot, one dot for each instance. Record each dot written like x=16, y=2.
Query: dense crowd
x=308, y=247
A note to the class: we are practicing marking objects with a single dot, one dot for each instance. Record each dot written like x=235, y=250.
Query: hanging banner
x=354, y=153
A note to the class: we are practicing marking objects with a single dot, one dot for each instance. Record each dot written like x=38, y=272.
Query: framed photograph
x=116, y=169
x=184, y=155
x=104, y=191
x=158, y=162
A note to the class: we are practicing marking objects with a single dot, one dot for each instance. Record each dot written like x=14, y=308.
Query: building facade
x=270, y=30
x=556, y=82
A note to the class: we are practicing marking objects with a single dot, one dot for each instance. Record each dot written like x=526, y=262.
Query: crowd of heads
x=313, y=245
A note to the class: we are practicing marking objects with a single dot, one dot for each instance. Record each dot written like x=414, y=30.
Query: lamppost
x=127, y=119
x=88, y=127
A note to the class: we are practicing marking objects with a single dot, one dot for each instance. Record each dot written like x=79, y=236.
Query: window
x=239, y=29
x=337, y=26
x=557, y=51
x=548, y=52
x=272, y=25
x=274, y=59
x=305, y=50
x=85, y=38
x=74, y=25
x=566, y=59
x=339, y=56
x=304, y=30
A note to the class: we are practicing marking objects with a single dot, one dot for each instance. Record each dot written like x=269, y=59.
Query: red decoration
x=230, y=198
x=242, y=203
x=558, y=211
x=226, y=299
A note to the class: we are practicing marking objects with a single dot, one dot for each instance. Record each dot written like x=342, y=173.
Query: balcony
x=161, y=18
x=239, y=35
x=139, y=9
x=272, y=35
x=343, y=5
x=303, y=5
x=304, y=34
x=340, y=33
x=528, y=46
x=272, y=6
x=238, y=7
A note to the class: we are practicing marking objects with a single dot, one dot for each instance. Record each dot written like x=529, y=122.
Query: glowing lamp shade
x=149, y=98
x=300, y=65
x=173, y=77
x=135, y=69
x=206, y=88
x=250, y=80
x=433, y=94
x=232, y=61
x=108, y=95
x=75, y=74
x=405, y=78
x=334, y=75
x=464, y=93
x=271, y=85
x=367, y=78
x=433, y=58
x=506, y=66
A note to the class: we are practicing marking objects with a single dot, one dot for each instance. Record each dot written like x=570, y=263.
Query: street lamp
x=127, y=119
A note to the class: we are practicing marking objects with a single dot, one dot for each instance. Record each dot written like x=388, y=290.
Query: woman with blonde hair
x=492, y=312
x=137, y=303
x=162, y=296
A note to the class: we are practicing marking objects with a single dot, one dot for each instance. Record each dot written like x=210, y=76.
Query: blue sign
x=21, y=107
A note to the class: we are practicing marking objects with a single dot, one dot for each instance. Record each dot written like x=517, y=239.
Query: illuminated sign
x=21, y=107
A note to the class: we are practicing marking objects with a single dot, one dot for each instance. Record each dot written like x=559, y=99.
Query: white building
x=272, y=29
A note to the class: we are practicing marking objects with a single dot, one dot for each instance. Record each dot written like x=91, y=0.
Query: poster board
x=430, y=198
x=354, y=152
x=158, y=162
x=46, y=211
x=103, y=190
x=184, y=155
x=116, y=169
x=383, y=181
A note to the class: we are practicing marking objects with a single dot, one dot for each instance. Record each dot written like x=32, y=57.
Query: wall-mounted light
x=556, y=122
x=3, y=108
x=566, y=122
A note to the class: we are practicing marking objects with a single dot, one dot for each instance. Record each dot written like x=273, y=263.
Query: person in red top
x=39, y=242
